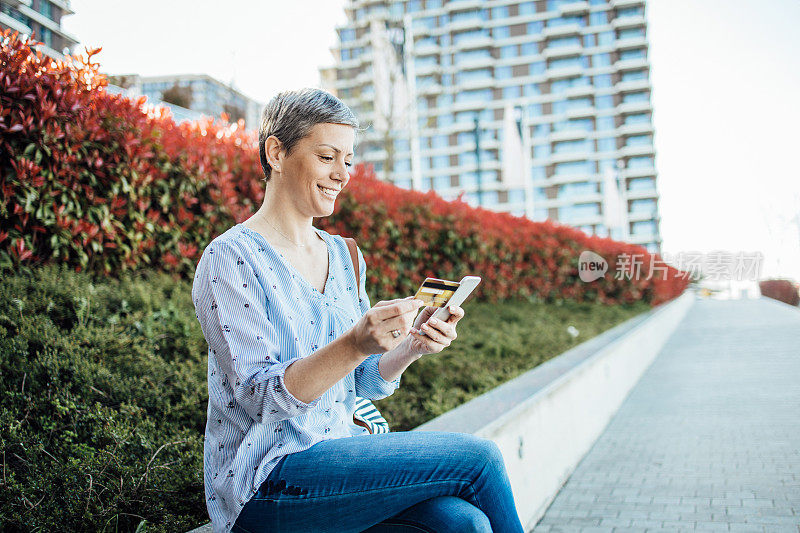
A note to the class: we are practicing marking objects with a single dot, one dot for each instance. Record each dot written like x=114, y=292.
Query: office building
x=42, y=20
x=199, y=93
x=538, y=108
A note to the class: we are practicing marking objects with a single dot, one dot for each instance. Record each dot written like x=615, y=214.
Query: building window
x=573, y=167
x=635, y=98
x=571, y=147
x=639, y=140
x=605, y=123
x=606, y=145
x=644, y=205
x=477, y=95
x=605, y=37
x=582, y=188
x=466, y=76
x=601, y=60
x=636, y=11
x=641, y=161
x=508, y=51
x=46, y=9
x=564, y=41
x=632, y=53
x=634, y=75
x=598, y=18
x=641, y=184
x=602, y=81
x=630, y=33
x=637, y=118
x=575, y=212
x=604, y=102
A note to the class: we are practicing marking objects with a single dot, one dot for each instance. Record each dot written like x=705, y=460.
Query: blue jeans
x=391, y=482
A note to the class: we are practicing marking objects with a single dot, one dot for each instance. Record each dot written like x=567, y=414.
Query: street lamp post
x=478, y=172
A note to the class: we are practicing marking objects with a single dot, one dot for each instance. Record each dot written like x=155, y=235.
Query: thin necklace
x=286, y=236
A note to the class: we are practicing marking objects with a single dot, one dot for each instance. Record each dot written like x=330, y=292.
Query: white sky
x=725, y=77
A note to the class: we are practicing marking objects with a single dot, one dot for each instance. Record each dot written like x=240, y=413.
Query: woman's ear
x=274, y=151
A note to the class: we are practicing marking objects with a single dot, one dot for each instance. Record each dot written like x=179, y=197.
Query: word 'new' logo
x=591, y=266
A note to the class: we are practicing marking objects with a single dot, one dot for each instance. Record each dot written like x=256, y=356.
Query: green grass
x=103, y=393
x=495, y=344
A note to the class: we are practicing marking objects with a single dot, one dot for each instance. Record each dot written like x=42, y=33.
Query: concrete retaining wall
x=546, y=420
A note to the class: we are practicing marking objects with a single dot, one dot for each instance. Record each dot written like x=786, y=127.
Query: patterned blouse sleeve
x=236, y=325
x=369, y=382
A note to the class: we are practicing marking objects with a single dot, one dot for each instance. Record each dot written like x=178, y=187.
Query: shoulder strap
x=351, y=245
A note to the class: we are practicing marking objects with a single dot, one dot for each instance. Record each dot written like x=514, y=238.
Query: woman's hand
x=438, y=334
x=373, y=333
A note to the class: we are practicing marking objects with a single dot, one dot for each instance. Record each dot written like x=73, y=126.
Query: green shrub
x=102, y=403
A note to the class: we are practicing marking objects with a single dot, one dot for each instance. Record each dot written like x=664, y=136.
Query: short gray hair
x=290, y=115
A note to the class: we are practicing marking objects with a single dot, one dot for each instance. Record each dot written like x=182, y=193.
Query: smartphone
x=443, y=293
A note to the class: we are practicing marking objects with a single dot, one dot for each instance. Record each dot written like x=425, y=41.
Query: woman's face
x=315, y=171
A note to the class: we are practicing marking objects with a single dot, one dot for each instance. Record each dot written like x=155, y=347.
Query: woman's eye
x=326, y=158
x=349, y=164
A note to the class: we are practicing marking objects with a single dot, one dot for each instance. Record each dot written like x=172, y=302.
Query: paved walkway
x=708, y=440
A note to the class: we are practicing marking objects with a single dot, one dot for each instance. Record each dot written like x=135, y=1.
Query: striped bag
x=366, y=414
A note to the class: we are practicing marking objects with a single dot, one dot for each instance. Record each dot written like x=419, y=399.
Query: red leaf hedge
x=782, y=290
x=103, y=183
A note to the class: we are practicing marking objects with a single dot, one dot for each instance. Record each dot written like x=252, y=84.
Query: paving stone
x=707, y=439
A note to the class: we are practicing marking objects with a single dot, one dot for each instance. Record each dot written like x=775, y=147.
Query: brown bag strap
x=351, y=245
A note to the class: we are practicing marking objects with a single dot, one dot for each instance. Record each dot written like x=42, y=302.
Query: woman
x=292, y=342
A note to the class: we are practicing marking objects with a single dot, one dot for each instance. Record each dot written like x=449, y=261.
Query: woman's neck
x=277, y=217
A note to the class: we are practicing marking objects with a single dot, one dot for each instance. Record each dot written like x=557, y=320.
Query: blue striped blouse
x=259, y=315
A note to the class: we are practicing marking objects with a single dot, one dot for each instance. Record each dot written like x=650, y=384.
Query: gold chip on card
x=436, y=292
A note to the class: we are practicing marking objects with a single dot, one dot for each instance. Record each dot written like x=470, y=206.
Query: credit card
x=436, y=292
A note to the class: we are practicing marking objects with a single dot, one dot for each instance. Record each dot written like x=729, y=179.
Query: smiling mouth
x=329, y=193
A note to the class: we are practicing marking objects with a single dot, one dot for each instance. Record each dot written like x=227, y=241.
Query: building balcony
x=48, y=23
x=428, y=68
x=631, y=42
x=473, y=64
x=631, y=64
x=564, y=72
x=433, y=88
x=476, y=84
x=641, y=172
x=635, y=129
x=574, y=8
x=561, y=51
x=645, y=149
x=481, y=41
x=629, y=22
x=580, y=112
x=585, y=198
x=457, y=5
x=634, y=107
x=641, y=194
x=568, y=135
x=627, y=3
x=558, y=31
x=636, y=85
x=642, y=215
x=571, y=156
x=583, y=220
x=425, y=49
x=466, y=24
x=583, y=90
x=14, y=24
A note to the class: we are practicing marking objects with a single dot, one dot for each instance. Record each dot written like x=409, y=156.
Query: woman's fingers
x=439, y=332
x=456, y=314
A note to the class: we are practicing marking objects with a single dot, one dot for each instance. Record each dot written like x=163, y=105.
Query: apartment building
x=42, y=19
x=538, y=108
